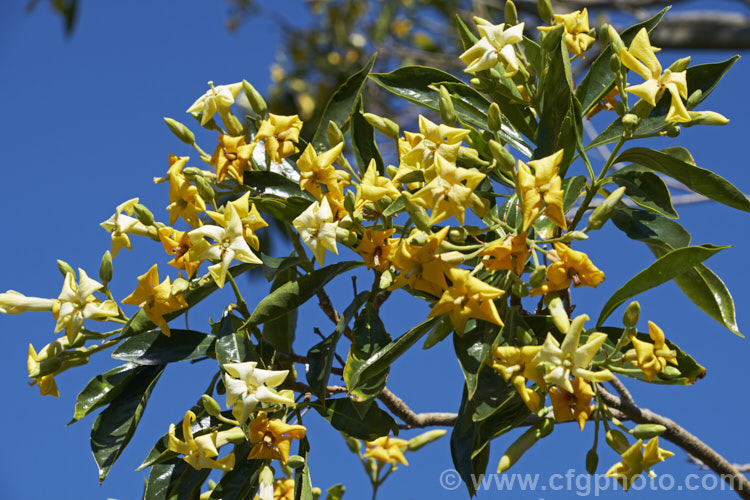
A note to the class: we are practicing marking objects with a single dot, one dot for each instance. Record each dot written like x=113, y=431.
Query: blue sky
x=84, y=131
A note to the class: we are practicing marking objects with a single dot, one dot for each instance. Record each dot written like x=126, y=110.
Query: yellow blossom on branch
x=375, y=248
x=155, y=298
x=178, y=243
x=272, y=438
x=517, y=365
x=543, y=185
x=184, y=200
x=281, y=134
x=577, y=37
x=317, y=229
x=576, y=406
x=201, y=451
x=420, y=264
x=46, y=383
x=374, y=187
x=76, y=302
x=231, y=156
x=249, y=216
x=508, y=253
x=568, y=266
x=638, y=459
x=216, y=99
x=467, y=297
x=495, y=46
x=387, y=450
x=121, y=225
x=317, y=169
x=651, y=358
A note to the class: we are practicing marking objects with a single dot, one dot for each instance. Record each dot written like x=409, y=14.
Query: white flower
x=317, y=229
x=229, y=244
x=570, y=359
x=247, y=386
x=496, y=45
x=120, y=226
x=77, y=303
x=219, y=98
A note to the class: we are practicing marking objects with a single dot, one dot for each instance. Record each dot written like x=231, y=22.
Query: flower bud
x=617, y=441
x=679, y=65
x=233, y=125
x=181, y=131
x=417, y=213
x=632, y=314
x=65, y=268
x=504, y=159
x=383, y=125
x=614, y=63
x=511, y=14
x=417, y=442
x=673, y=130
x=447, y=111
x=670, y=372
x=204, y=188
x=254, y=98
x=648, y=431
x=614, y=39
x=559, y=315
x=470, y=156
x=604, y=34
x=143, y=214
x=592, y=461
x=354, y=444
x=345, y=236
x=457, y=234
x=575, y=235
x=180, y=285
x=266, y=475
x=604, y=210
x=295, y=462
x=386, y=279
x=540, y=429
x=494, y=117
x=391, y=170
x=706, y=118
x=630, y=121
x=519, y=290
x=105, y=268
x=694, y=99
x=210, y=405
x=349, y=201
x=335, y=135
x=45, y=367
x=545, y=10
x=537, y=276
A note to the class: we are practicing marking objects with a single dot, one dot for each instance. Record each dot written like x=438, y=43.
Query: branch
x=683, y=439
x=324, y=301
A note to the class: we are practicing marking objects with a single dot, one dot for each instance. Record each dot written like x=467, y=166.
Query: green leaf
x=363, y=143
x=293, y=294
x=343, y=416
x=706, y=290
x=161, y=478
x=415, y=84
x=383, y=358
x=648, y=227
x=233, y=344
x=303, y=489
x=555, y=106
x=463, y=443
x=703, y=77
x=115, y=425
x=320, y=357
x=665, y=268
x=335, y=492
x=283, y=210
x=103, y=389
x=678, y=164
x=572, y=187
x=341, y=105
x=271, y=183
x=274, y=265
x=242, y=481
x=280, y=332
x=646, y=189
x=472, y=349
x=368, y=337
x=600, y=80
x=155, y=348
x=441, y=330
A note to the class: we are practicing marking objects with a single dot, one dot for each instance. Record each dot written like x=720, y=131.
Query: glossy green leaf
x=115, y=425
x=600, y=80
x=233, y=344
x=341, y=105
x=320, y=357
x=281, y=331
x=572, y=187
x=368, y=337
x=335, y=492
x=383, y=358
x=242, y=481
x=293, y=294
x=343, y=416
x=283, y=210
x=363, y=143
x=303, y=489
x=155, y=348
x=645, y=189
x=472, y=349
x=678, y=164
x=271, y=183
x=102, y=389
x=464, y=441
x=161, y=452
x=440, y=332
x=162, y=477
x=664, y=269
x=649, y=227
x=555, y=106
x=274, y=265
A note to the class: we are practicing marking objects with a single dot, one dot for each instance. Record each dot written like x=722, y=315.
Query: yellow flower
x=636, y=460
x=570, y=359
x=281, y=134
x=544, y=184
x=651, y=358
x=375, y=249
x=418, y=151
x=283, y=489
x=249, y=217
x=451, y=191
x=231, y=156
x=573, y=406
x=516, y=365
x=387, y=450
x=496, y=45
x=641, y=58
x=374, y=187
x=155, y=298
x=509, y=253
x=606, y=104
x=46, y=383
x=219, y=98
x=184, y=200
x=247, y=386
x=467, y=297
x=76, y=302
x=420, y=265
x=12, y=302
x=568, y=266
x=317, y=229
x=577, y=36
x=201, y=451
x=121, y=226
x=272, y=438
x=316, y=169
x=177, y=243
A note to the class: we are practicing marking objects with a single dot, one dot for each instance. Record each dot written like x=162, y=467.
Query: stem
x=241, y=304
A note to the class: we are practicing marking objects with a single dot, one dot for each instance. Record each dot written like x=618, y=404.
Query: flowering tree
x=477, y=215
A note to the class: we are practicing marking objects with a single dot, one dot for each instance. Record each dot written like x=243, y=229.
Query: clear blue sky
x=83, y=131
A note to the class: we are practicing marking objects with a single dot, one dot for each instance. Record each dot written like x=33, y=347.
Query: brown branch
x=324, y=301
x=683, y=439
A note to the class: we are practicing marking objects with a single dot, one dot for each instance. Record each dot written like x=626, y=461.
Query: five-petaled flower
x=122, y=225
x=508, y=253
x=637, y=459
x=516, y=365
x=641, y=58
x=571, y=360
x=576, y=406
x=317, y=229
x=577, y=37
x=496, y=45
x=77, y=302
x=247, y=386
x=178, y=243
x=568, y=266
x=231, y=156
x=543, y=185
x=216, y=99
x=651, y=358
x=467, y=297
x=249, y=217
x=387, y=450
x=156, y=298
x=376, y=248
x=201, y=451
x=281, y=134
x=184, y=199
x=317, y=169
x=272, y=438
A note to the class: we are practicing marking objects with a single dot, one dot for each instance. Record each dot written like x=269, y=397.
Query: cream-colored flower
x=247, y=386
x=496, y=45
x=77, y=302
x=317, y=229
x=219, y=98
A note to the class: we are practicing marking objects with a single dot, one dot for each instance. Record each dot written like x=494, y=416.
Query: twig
x=324, y=301
x=684, y=440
